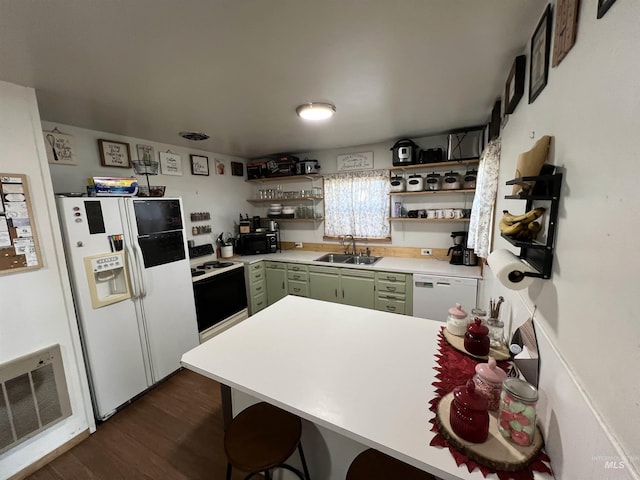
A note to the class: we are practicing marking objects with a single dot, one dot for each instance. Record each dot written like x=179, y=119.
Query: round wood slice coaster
x=497, y=452
x=499, y=353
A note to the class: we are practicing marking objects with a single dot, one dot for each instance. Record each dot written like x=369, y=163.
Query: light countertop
x=389, y=264
x=362, y=373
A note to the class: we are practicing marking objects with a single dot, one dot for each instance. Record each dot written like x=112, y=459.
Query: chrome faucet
x=353, y=245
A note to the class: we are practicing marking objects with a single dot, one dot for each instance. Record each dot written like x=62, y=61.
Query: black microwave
x=257, y=243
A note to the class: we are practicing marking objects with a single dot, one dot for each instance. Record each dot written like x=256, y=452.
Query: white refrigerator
x=132, y=289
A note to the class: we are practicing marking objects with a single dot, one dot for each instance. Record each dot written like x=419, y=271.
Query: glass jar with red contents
x=476, y=340
x=488, y=381
x=517, y=417
x=468, y=414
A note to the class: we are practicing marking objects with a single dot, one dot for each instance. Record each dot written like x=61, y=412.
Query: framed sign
x=199, y=165
x=219, y=167
x=514, y=88
x=237, y=169
x=566, y=27
x=355, y=161
x=60, y=148
x=539, y=59
x=170, y=163
x=114, y=154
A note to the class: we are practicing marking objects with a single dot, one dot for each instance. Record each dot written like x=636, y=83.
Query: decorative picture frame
x=170, y=163
x=146, y=153
x=199, y=165
x=237, y=169
x=494, y=126
x=603, y=6
x=219, y=166
x=539, y=58
x=114, y=154
x=355, y=161
x=514, y=88
x=60, y=148
x=564, y=36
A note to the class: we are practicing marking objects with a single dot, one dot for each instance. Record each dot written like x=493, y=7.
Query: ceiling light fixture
x=195, y=136
x=316, y=111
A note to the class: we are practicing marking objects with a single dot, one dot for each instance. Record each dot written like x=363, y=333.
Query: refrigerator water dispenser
x=107, y=277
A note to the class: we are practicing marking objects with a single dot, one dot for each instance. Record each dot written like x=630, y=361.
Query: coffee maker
x=457, y=251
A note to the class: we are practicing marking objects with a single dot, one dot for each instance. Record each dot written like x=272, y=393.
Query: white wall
x=36, y=309
x=587, y=312
x=224, y=196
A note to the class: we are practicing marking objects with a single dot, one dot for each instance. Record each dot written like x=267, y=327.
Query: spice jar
x=468, y=415
x=476, y=340
x=496, y=331
x=517, y=418
x=488, y=381
x=457, y=321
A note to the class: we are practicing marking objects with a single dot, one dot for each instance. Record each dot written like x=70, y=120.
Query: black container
x=432, y=155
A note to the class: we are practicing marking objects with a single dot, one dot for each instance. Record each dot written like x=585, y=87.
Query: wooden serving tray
x=497, y=452
x=499, y=353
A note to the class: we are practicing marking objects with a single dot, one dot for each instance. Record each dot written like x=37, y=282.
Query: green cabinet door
x=357, y=288
x=276, y=275
x=324, y=283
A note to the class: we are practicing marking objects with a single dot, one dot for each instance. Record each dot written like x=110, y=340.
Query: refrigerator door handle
x=133, y=272
x=140, y=268
x=128, y=212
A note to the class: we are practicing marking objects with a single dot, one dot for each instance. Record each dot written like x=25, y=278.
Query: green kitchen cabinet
x=257, y=287
x=357, y=288
x=394, y=292
x=276, y=275
x=324, y=283
x=297, y=279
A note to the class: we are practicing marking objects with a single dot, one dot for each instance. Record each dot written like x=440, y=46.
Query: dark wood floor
x=172, y=432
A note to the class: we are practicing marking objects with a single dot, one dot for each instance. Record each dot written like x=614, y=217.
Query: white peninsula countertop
x=427, y=266
x=364, y=374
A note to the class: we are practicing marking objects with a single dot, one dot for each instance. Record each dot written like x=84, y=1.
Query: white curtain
x=479, y=237
x=357, y=203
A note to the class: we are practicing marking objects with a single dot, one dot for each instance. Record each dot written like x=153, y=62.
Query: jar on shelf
x=476, y=339
x=517, y=417
x=433, y=182
x=457, y=321
x=468, y=414
x=488, y=381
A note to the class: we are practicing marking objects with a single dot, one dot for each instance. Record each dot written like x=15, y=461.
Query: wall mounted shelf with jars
x=432, y=192
x=428, y=220
x=258, y=201
x=455, y=163
x=546, y=188
x=288, y=178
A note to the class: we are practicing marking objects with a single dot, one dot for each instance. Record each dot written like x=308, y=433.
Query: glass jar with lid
x=496, y=331
x=457, y=321
x=488, y=381
x=517, y=417
x=476, y=339
x=468, y=414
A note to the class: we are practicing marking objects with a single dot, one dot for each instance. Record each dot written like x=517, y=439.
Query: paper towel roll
x=509, y=269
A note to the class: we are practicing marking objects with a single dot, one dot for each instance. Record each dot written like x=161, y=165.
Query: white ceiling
x=236, y=69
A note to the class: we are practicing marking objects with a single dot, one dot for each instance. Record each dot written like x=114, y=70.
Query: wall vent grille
x=33, y=396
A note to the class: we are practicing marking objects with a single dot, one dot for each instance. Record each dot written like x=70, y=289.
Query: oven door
x=219, y=297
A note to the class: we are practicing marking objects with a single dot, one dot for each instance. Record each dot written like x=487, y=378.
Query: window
x=357, y=203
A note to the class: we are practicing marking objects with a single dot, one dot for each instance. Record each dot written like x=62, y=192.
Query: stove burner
x=214, y=264
x=196, y=273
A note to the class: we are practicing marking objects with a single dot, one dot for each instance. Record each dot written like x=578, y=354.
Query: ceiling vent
x=195, y=136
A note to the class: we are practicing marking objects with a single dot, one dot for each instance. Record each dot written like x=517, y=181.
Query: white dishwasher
x=433, y=295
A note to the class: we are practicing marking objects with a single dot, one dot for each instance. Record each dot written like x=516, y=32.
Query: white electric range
x=219, y=291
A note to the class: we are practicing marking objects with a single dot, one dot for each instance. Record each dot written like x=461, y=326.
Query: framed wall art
x=199, y=165
x=60, y=148
x=539, y=58
x=514, y=88
x=170, y=163
x=603, y=6
x=114, y=154
x=219, y=166
x=566, y=28
x=355, y=161
x=237, y=169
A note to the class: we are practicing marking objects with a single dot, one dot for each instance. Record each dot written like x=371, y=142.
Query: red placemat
x=455, y=368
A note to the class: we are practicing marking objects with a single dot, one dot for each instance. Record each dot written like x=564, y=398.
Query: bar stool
x=374, y=465
x=261, y=438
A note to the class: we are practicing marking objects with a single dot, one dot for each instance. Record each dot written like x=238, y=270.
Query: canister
x=433, y=181
x=451, y=181
x=488, y=381
x=476, y=339
x=457, y=321
x=469, y=180
x=517, y=417
x=397, y=184
x=468, y=414
x=415, y=183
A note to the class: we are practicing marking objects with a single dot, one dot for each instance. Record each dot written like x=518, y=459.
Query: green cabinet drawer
x=391, y=277
x=256, y=275
x=392, y=287
x=391, y=304
x=297, y=267
x=254, y=267
x=258, y=287
x=258, y=302
x=298, y=276
x=301, y=289
x=275, y=265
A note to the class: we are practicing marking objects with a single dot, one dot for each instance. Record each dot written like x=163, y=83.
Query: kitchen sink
x=362, y=260
x=350, y=259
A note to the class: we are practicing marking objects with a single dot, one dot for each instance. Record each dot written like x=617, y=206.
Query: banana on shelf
x=523, y=227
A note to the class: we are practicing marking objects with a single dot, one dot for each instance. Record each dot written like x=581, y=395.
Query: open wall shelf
x=539, y=254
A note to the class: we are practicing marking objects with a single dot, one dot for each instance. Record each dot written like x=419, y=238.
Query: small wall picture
x=114, y=154
x=199, y=165
x=514, y=88
x=170, y=163
x=145, y=154
x=219, y=167
x=60, y=148
x=603, y=6
x=237, y=169
x=539, y=59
